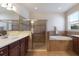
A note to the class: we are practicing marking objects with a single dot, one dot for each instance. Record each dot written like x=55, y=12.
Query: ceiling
x=49, y=7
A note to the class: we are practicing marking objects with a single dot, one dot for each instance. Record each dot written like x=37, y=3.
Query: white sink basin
x=12, y=37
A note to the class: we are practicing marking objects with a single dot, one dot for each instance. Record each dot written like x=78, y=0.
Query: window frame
x=69, y=25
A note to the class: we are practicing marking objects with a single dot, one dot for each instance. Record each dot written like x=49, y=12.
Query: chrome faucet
x=55, y=31
x=2, y=33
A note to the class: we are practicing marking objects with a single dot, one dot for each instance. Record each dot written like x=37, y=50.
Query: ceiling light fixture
x=35, y=8
x=8, y=6
x=14, y=8
x=4, y=5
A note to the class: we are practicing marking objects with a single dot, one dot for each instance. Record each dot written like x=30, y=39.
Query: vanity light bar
x=8, y=6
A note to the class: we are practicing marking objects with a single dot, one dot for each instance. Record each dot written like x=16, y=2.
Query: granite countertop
x=75, y=35
x=12, y=37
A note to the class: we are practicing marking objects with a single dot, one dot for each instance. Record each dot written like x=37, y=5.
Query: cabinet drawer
x=4, y=51
x=14, y=44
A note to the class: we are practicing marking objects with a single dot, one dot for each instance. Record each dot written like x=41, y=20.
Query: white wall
x=53, y=19
x=56, y=20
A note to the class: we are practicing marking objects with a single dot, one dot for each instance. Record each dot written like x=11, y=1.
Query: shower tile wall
x=39, y=40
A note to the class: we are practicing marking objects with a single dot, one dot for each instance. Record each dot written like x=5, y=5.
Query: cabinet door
x=22, y=47
x=14, y=49
x=78, y=45
x=26, y=43
x=75, y=44
x=4, y=51
x=75, y=40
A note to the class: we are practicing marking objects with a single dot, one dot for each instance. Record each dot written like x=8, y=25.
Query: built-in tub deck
x=59, y=38
x=59, y=43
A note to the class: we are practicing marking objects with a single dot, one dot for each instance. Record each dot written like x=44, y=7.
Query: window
x=73, y=21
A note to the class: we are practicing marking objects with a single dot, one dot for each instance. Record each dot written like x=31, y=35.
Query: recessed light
x=59, y=8
x=35, y=8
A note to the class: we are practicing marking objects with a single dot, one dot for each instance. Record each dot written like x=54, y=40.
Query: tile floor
x=51, y=53
x=39, y=45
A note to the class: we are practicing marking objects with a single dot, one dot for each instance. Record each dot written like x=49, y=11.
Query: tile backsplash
x=72, y=33
x=59, y=33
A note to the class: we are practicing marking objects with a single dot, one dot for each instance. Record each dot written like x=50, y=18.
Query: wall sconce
x=32, y=22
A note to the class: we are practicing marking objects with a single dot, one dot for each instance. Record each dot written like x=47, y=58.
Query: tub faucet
x=55, y=30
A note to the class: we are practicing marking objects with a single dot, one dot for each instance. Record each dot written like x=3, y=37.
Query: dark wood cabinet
x=26, y=43
x=18, y=48
x=14, y=49
x=4, y=51
x=76, y=44
x=22, y=47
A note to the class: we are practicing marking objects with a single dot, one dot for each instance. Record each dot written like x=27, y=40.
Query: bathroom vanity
x=14, y=45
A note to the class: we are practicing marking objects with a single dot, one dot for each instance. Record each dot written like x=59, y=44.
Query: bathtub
x=59, y=38
x=59, y=43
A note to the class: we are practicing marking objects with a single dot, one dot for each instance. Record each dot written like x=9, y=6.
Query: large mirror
x=11, y=21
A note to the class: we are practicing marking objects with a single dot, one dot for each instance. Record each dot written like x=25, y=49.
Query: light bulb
x=35, y=8
x=32, y=21
x=9, y=5
x=13, y=8
x=9, y=8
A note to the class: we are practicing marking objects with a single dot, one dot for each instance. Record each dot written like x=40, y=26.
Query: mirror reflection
x=11, y=21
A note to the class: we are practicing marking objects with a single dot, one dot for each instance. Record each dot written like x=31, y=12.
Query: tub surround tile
x=59, y=45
